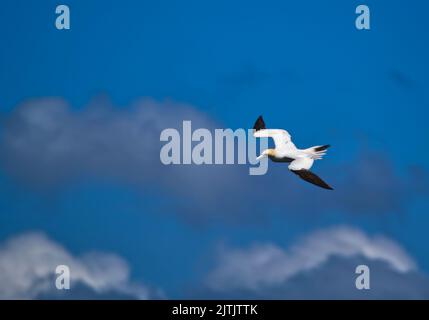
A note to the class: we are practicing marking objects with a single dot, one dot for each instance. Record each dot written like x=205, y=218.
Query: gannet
x=285, y=150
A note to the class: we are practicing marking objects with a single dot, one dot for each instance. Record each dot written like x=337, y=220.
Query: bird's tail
x=317, y=152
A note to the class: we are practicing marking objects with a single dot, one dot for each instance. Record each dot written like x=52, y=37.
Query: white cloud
x=269, y=265
x=28, y=263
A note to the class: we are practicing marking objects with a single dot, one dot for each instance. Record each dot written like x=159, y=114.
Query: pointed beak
x=260, y=157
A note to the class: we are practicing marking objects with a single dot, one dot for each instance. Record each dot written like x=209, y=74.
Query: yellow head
x=267, y=153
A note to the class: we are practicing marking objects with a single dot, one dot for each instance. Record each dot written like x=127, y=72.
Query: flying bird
x=301, y=160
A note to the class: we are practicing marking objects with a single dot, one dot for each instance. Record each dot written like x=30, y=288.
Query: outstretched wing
x=309, y=176
x=282, y=138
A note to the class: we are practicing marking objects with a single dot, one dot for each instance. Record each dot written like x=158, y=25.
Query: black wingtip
x=259, y=124
x=321, y=148
x=312, y=178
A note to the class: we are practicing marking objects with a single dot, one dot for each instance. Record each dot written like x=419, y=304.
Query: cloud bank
x=268, y=264
x=47, y=143
x=320, y=265
x=28, y=263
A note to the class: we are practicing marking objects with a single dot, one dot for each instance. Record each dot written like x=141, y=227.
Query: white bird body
x=301, y=160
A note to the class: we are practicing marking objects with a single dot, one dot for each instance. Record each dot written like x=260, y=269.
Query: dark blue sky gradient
x=302, y=64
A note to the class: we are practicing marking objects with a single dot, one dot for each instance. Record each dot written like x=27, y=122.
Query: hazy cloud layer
x=47, y=143
x=334, y=279
x=28, y=263
x=320, y=265
x=267, y=264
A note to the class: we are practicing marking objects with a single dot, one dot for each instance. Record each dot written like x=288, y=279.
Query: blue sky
x=303, y=65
